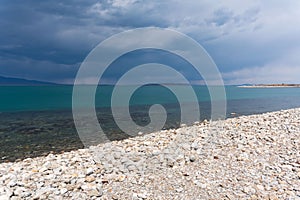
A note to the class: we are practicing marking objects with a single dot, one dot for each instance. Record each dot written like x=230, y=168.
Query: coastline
x=257, y=86
x=271, y=86
x=255, y=156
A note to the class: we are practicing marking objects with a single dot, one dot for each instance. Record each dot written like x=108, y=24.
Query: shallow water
x=37, y=120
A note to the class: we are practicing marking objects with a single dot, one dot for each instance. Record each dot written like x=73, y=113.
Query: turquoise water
x=36, y=120
x=41, y=98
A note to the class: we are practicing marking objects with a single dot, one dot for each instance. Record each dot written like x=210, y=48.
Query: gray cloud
x=47, y=40
x=221, y=17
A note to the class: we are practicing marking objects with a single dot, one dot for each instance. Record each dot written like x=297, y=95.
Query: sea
x=38, y=120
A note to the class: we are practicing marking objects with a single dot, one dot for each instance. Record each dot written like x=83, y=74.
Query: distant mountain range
x=19, y=81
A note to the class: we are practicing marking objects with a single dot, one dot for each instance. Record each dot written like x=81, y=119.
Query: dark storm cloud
x=47, y=40
x=39, y=30
x=39, y=38
x=60, y=33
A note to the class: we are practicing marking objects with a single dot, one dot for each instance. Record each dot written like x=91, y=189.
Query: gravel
x=248, y=157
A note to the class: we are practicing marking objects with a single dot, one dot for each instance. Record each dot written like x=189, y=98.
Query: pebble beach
x=247, y=157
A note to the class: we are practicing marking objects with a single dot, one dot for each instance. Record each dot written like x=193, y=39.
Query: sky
x=250, y=41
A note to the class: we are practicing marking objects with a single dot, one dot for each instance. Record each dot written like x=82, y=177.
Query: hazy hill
x=19, y=81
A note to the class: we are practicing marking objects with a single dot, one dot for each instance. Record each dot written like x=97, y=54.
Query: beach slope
x=248, y=157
